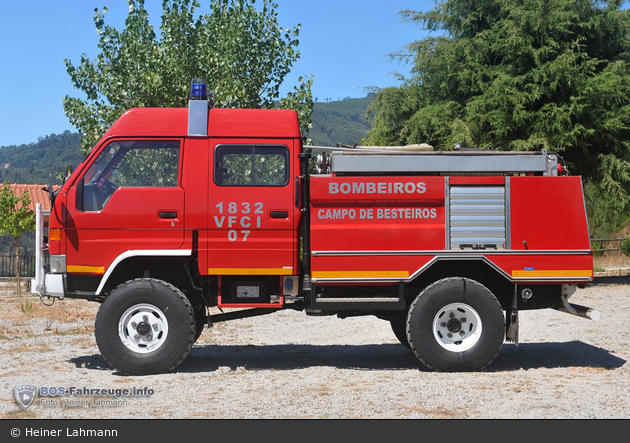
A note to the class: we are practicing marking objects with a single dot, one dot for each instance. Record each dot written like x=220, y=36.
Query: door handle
x=279, y=214
x=169, y=215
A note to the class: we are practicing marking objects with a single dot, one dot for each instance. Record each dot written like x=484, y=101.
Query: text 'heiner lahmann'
x=31, y=432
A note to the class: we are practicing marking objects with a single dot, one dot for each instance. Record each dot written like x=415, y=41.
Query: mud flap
x=512, y=319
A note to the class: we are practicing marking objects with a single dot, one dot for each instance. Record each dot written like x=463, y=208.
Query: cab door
x=251, y=209
x=129, y=199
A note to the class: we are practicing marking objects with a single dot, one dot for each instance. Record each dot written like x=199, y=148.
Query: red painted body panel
x=475, y=181
x=548, y=213
x=195, y=176
x=128, y=222
x=57, y=221
x=377, y=268
x=361, y=236
x=173, y=122
x=534, y=266
x=385, y=213
x=374, y=214
x=242, y=234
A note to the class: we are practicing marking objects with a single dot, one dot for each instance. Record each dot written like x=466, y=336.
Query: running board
x=357, y=303
x=235, y=315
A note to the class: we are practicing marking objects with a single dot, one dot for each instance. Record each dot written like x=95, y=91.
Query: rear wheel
x=145, y=326
x=456, y=324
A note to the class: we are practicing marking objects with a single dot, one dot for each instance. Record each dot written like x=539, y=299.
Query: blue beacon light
x=198, y=89
x=198, y=105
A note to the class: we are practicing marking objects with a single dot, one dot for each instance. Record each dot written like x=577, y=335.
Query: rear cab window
x=240, y=165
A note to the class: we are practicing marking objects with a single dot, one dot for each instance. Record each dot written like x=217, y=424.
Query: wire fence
x=8, y=266
x=597, y=244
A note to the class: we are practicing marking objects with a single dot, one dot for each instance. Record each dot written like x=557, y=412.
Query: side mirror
x=51, y=194
x=80, y=194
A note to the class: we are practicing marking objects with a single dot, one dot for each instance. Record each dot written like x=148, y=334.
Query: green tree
x=519, y=75
x=240, y=50
x=15, y=218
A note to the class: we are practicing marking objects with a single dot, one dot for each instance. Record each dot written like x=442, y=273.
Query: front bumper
x=51, y=285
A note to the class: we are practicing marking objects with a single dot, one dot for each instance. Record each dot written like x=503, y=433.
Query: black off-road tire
x=202, y=321
x=399, y=328
x=456, y=325
x=146, y=326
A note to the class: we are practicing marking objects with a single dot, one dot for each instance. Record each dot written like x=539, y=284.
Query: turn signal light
x=54, y=235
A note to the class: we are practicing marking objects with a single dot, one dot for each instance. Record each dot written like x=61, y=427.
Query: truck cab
x=149, y=194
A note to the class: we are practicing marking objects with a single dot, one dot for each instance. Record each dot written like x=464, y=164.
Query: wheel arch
x=169, y=264
x=478, y=269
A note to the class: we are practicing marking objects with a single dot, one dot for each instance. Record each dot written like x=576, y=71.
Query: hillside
x=32, y=163
x=340, y=122
x=333, y=122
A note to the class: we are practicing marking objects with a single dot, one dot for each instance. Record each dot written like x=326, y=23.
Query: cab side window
x=238, y=165
x=137, y=163
x=153, y=164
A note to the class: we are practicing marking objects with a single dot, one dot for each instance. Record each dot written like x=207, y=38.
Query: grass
x=26, y=307
x=610, y=260
x=27, y=317
x=18, y=414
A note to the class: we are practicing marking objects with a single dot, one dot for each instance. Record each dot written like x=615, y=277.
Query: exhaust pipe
x=580, y=311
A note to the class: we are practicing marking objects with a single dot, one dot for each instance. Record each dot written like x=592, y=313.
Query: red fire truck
x=176, y=211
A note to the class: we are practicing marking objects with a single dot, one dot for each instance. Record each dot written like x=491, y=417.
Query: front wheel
x=456, y=325
x=145, y=326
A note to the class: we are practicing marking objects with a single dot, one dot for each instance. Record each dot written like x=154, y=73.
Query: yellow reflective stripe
x=86, y=269
x=360, y=274
x=554, y=273
x=250, y=271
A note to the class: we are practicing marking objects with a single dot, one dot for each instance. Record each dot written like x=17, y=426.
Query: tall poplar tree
x=240, y=50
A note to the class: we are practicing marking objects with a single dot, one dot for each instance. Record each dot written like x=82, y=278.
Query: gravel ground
x=288, y=365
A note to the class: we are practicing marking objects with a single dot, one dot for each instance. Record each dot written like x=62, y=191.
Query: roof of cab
x=173, y=122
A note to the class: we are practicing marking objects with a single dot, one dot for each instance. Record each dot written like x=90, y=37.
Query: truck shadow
x=610, y=280
x=210, y=358
x=554, y=355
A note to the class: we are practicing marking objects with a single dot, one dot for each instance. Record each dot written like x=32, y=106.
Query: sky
x=343, y=44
